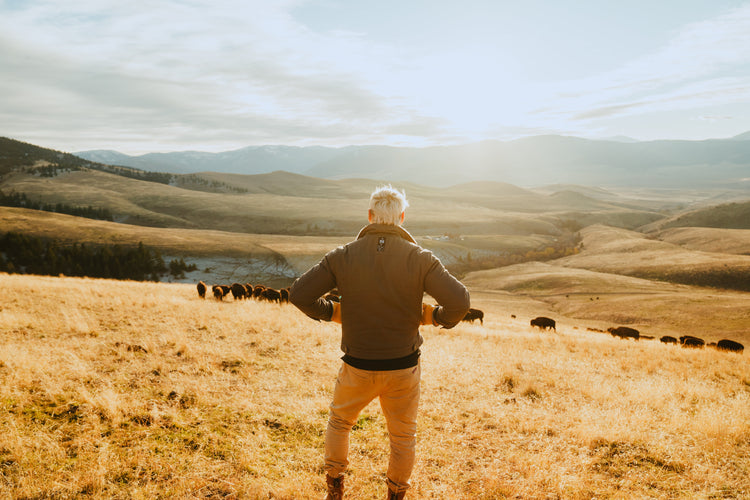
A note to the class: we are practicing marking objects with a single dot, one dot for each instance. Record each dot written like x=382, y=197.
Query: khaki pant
x=399, y=398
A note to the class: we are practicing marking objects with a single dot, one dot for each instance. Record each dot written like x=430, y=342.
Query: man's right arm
x=306, y=292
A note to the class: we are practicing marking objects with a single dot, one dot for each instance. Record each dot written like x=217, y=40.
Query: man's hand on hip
x=336, y=315
x=427, y=315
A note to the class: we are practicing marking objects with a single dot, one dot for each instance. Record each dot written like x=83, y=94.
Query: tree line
x=24, y=254
x=192, y=181
x=14, y=199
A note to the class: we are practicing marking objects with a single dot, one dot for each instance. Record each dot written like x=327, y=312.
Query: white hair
x=387, y=204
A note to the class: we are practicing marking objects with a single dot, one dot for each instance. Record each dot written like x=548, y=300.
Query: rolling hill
x=725, y=215
x=618, y=251
x=287, y=203
x=284, y=221
x=734, y=241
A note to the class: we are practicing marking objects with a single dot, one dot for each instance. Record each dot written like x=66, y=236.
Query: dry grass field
x=142, y=390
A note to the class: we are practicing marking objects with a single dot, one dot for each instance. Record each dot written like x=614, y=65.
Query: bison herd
x=625, y=332
x=241, y=291
x=684, y=341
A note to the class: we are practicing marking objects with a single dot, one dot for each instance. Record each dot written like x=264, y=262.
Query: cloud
x=704, y=64
x=242, y=67
x=228, y=73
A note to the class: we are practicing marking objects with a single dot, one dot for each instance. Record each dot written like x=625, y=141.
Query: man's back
x=382, y=277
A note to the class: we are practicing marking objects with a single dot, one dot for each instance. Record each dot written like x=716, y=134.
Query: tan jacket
x=382, y=277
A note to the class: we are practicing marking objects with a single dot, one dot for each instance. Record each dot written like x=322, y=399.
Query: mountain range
x=530, y=162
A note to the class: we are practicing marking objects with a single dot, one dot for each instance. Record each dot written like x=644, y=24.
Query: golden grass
x=708, y=239
x=143, y=390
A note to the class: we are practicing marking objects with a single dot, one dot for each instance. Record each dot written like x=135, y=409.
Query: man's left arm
x=451, y=295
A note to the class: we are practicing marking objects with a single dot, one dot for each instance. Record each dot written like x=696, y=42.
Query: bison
x=272, y=295
x=690, y=341
x=258, y=291
x=666, y=339
x=218, y=291
x=624, y=332
x=543, y=323
x=473, y=314
x=284, y=295
x=201, y=290
x=730, y=345
x=238, y=291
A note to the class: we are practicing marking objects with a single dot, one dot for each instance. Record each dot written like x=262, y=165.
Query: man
x=381, y=277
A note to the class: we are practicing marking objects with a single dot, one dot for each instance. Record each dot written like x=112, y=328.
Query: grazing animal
x=258, y=291
x=624, y=332
x=474, y=314
x=238, y=291
x=218, y=292
x=284, y=295
x=513, y=316
x=201, y=289
x=544, y=323
x=272, y=295
x=226, y=289
x=666, y=339
x=730, y=345
x=690, y=341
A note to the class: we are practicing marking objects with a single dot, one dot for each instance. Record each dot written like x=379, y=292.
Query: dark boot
x=392, y=495
x=335, y=487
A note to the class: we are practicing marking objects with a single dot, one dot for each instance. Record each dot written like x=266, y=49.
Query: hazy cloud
x=705, y=64
x=175, y=74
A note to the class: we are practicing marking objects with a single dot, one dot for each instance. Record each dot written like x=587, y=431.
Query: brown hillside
x=297, y=251
x=734, y=241
x=284, y=203
x=726, y=216
x=618, y=251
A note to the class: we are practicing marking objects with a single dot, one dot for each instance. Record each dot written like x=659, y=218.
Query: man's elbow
x=453, y=314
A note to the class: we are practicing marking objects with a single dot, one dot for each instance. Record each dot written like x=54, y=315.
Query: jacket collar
x=388, y=229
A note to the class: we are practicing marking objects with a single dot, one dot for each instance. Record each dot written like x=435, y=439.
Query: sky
x=217, y=75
